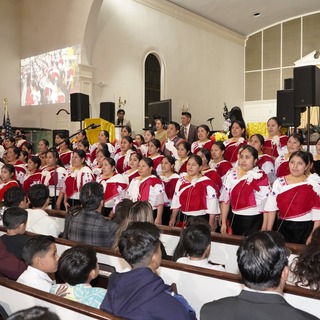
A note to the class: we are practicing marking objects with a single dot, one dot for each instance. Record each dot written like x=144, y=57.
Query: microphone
x=210, y=119
x=94, y=126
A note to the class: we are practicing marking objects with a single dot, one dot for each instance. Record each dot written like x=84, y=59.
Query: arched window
x=152, y=82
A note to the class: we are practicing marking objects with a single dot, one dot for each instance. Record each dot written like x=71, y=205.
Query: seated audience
x=141, y=293
x=38, y=220
x=77, y=267
x=15, y=220
x=15, y=197
x=305, y=269
x=263, y=263
x=197, y=243
x=40, y=254
x=121, y=211
x=89, y=226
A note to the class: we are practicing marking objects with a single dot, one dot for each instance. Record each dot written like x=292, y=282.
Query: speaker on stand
x=107, y=111
x=79, y=107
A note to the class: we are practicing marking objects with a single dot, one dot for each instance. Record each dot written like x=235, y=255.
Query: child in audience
x=78, y=266
x=15, y=220
x=40, y=254
x=196, y=241
x=141, y=293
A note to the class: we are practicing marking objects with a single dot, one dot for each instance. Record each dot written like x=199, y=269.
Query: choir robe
x=232, y=149
x=32, y=179
x=6, y=186
x=276, y=146
x=48, y=179
x=197, y=146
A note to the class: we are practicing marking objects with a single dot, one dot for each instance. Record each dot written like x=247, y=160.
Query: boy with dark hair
x=77, y=267
x=15, y=197
x=196, y=241
x=38, y=220
x=40, y=254
x=15, y=220
x=141, y=293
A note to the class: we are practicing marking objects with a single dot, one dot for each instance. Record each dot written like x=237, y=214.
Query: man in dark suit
x=263, y=263
x=188, y=131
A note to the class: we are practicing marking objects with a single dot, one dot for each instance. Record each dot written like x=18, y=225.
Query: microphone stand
x=210, y=120
x=54, y=150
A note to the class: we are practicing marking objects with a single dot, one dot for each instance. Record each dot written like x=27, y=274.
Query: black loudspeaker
x=55, y=132
x=288, y=83
x=107, y=111
x=286, y=111
x=306, y=86
x=79, y=106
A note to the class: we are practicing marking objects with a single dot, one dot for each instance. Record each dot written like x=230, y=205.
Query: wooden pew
x=201, y=285
x=16, y=296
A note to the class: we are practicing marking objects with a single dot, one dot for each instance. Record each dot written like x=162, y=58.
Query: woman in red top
x=64, y=149
x=8, y=179
x=169, y=179
x=13, y=155
x=134, y=165
x=114, y=186
x=122, y=157
x=184, y=152
x=203, y=132
x=34, y=176
x=154, y=154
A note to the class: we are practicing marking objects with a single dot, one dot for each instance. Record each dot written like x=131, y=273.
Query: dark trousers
x=295, y=231
x=245, y=225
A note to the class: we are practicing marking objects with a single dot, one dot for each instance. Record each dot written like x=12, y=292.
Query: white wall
x=202, y=70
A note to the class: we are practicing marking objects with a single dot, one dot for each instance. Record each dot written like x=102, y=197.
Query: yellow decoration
x=257, y=127
x=93, y=134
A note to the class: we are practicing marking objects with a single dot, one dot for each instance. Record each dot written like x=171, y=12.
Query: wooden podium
x=93, y=134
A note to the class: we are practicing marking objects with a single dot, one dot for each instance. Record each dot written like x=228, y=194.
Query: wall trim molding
x=194, y=19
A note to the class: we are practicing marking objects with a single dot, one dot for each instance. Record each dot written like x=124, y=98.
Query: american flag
x=3, y=129
x=8, y=126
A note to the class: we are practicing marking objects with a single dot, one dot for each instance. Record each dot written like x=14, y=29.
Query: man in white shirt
x=40, y=254
x=38, y=220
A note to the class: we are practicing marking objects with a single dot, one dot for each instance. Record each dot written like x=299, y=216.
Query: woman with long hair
x=296, y=199
x=64, y=148
x=244, y=191
x=195, y=195
x=134, y=165
x=169, y=179
x=218, y=162
x=148, y=135
x=155, y=154
x=184, y=152
x=122, y=157
x=114, y=186
x=13, y=154
x=102, y=138
x=85, y=146
x=148, y=187
x=97, y=164
x=281, y=163
x=8, y=179
x=77, y=177
x=161, y=132
x=34, y=175
x=275, y=142
x=264, y=162
x=203, y=132
x=237, y=140
x=53, y=176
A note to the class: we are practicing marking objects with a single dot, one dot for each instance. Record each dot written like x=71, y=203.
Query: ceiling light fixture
x=317, y=54
x=257, y=14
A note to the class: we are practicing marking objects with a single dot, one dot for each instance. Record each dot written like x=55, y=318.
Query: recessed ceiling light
x=257, y=14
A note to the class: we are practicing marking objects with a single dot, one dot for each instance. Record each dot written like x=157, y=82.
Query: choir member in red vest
x=55, y=182
x=34, y=175
x=7, y=179
x=217, y=161
x=184, y=152
x=281, y=164
x=212, y=174
x=195, y=195
x=148, y=136
x=13, y=154
x=43, y=146
x=134, y=165
x=154, y=154
x=114, y=186
x=148, y=187
x=203, y=141
x=237, y=140
x=275, y=142
x=102, y=138
x=78, y=176
x=169, y=179
x=296, y=199
x=122, y=157
x=244, y=191
x=64, y=149
x=85, y=146
x=265, y=162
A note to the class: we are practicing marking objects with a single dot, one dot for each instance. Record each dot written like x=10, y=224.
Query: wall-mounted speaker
x=288, y=114
x=306, y=86
x=107, y=111
x=79, y=106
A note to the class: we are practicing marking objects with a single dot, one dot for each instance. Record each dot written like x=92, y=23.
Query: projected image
x=49, y=78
